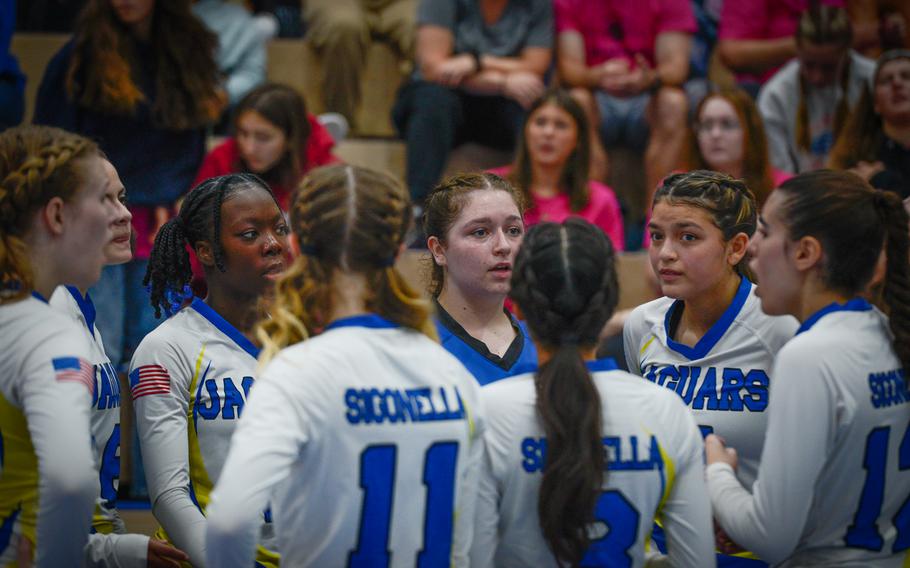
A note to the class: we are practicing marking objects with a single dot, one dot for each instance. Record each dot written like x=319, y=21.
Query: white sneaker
x=336, y=124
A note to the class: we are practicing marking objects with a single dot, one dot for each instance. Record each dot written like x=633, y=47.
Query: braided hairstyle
x=854, y=223
x=37, y=163
x=169, y=271
x=729, y=201
x=565, y=284
x=353, y=220
x=445, y=203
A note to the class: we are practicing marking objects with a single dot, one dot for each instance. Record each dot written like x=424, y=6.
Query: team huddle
x=312, y=409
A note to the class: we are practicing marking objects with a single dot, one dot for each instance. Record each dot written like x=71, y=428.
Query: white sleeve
x=58, y=423
x=774, y=115
x=770, y=520
x=686, y=513
x=265, y=445
x=161, y=421
x=486, y=515
x=630, y=342
x=117, y=551
x=465, y=530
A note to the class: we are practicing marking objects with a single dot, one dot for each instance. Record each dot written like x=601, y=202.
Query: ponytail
x=565, y=284
x=896, y=289
x=169, y=272
x=569, y=407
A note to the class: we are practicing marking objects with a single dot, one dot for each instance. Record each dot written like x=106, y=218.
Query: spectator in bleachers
x=806, y=103
x=875, y=142
x=756, y=37
x=627, y=63
x=480, y=64
x=241, y=46
x=551, y=168
x=12, y=81
x=728, y=136
x=340, y=31
x=141, y=79
x=275, y=138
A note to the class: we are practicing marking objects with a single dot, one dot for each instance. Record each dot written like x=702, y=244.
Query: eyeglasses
x=725, y=125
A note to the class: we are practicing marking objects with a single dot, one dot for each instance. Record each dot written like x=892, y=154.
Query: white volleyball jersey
x=189, y=380
x=45, y=396
x=833, y=487
x=108, y=545
x=655, y=469
x=105, y=409
x=366, y=439
x=725, y=379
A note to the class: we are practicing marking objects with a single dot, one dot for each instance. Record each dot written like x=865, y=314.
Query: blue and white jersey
x=45, y=397
x=486, y=367
x=655, y=469
x=190, y=379
x=833, y=487
x=105, y=409
x=108, y=545
x=725, y=379
x=366, y=441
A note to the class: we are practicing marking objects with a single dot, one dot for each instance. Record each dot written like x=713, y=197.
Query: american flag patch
x=149, y=379
x=75, y=370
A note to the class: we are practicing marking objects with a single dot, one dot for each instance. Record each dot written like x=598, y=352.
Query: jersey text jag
x=698, y=386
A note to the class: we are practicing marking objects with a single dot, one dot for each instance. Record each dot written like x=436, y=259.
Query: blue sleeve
x=52, y=105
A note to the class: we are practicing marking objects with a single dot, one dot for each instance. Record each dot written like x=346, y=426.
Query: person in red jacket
x=275, y=138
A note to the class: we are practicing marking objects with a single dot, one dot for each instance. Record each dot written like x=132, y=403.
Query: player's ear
x=205, y=254
x=807, y=253
x=437, y=250
x=736, y=248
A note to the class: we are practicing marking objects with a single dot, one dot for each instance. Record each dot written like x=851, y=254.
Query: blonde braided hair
x=353, y=220
x=37, y=163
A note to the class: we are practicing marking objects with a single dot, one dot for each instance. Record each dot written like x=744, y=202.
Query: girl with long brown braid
x=833, y=476
x=360, y=410
x=579, y=454
x=55, y=216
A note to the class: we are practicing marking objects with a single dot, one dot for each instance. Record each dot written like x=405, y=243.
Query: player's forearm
x=183, y=522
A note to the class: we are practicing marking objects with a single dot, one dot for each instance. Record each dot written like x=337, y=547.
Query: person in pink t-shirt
x=552, y=167
x=627, y=63
x=756, y=37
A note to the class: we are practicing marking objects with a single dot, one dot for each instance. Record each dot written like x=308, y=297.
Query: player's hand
x=523, y=87
x=24, y=553
x=454, y=70
x=163, y=555
x=717, y=452
x=724, y=543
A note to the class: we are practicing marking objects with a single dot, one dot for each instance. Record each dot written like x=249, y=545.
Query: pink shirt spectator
x=621, y=28
x=602, y=210
x=762, y=19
